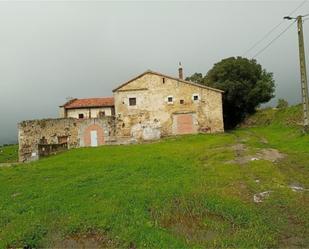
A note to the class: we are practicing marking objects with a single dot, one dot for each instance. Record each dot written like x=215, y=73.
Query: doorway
x=93, y=138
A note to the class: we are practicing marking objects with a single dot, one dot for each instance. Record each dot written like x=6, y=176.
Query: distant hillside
x=290, y=116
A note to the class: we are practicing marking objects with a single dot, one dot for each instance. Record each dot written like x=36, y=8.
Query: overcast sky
x=50, y=50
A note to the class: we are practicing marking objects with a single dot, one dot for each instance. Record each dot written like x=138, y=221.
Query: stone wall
x=154, y=116
x=74, y=132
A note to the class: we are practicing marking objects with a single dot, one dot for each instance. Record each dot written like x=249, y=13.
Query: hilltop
x=245, y=188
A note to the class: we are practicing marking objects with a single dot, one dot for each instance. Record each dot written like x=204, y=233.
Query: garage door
x=184, y=124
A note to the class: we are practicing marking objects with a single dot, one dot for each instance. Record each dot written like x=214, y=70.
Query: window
x=101, y=114
x=163, y=80
x=170, y=99
x=62, y=139
x=81, y=115
x=195, y=97
x=182, y=101
x=132, y=101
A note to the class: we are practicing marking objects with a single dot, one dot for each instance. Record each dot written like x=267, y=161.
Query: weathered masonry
x=147, y=107
x=154, y=105
x=43, y=137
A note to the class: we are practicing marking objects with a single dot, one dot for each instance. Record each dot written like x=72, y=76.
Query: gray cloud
x=52, y=50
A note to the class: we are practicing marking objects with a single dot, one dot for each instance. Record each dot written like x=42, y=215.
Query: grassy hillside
x=183, y=192
x=9, y=153
x=288, y=117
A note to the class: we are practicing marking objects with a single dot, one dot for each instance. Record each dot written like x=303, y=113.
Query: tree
x=245, y=84
x=196, y=77
x=282, y=104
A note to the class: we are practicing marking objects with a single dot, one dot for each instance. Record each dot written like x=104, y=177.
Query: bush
x=282, y=104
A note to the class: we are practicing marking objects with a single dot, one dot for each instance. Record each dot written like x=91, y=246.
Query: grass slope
x=9, y=153
x=183, y=192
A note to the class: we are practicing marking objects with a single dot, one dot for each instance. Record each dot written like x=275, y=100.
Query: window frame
x=168, y=99
x=196, y=95
x=101, y=114
x=132, y=99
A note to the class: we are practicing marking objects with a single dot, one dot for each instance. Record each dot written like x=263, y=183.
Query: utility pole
x=303, y=72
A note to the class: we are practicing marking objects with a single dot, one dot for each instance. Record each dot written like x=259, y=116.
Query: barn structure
x=147, y=107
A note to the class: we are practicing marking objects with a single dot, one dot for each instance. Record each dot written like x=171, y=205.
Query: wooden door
x=184, y=124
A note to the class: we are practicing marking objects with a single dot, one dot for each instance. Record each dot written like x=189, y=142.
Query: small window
x=62, y=139
x=43, y=140
x=81, y=115
x=170, y=99
x=132, y=101
x=101, y=114
x=195, y=97
x=181, y=101
x=163, y=80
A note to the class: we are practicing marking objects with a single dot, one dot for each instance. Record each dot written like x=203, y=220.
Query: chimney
x=180, y=71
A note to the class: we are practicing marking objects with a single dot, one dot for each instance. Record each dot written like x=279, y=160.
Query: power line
x=263, y=38
x=273, y=29
x=272, y=41
x=300, y=5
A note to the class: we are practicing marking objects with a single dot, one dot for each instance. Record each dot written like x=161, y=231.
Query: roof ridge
x=68, y=102
x=111, y=97
x=168, y=76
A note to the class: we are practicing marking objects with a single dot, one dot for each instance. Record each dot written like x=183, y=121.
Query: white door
x=94, y=138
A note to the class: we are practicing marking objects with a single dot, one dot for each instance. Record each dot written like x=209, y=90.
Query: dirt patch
x=263, y=140
x=269, y=154
x=195, y=224
x=189, y=226
x=8, y=164
x=85, y=241
x=239, y=149
x=293, y=242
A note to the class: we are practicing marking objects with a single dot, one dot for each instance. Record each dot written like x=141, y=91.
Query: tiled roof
x=91, y=102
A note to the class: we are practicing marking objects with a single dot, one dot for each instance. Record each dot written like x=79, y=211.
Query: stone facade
x=74, y=132
x=148, y=107
x=163, y=106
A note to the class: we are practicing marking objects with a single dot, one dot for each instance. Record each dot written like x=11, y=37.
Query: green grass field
x=182, y=192
x=9, y=153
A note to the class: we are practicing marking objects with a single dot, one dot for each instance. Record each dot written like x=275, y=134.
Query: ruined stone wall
x=153, y=116
x=76, y=132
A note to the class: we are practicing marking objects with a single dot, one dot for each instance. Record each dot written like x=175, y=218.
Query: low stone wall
x=75, y=132
x=50, y=149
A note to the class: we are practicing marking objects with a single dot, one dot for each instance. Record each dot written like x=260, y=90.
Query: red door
x=184, y=124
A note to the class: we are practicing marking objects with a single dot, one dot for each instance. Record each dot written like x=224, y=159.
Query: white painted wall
x=73, y=113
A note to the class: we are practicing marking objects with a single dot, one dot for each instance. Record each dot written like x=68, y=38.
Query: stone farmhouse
x=147, y=107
